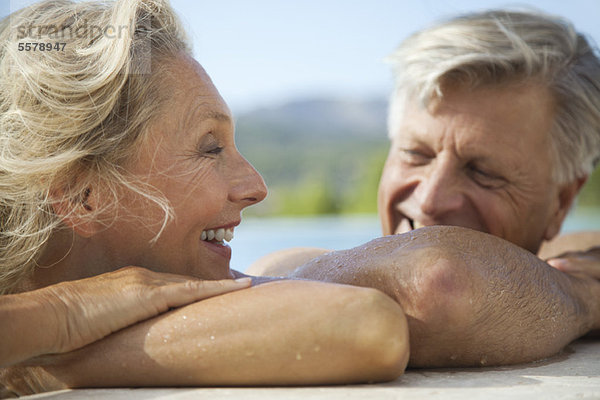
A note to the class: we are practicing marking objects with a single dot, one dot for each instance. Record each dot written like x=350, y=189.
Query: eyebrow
x=212, y=114
x=200, y=113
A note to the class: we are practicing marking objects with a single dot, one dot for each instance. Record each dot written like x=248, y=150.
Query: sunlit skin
x=479, y=159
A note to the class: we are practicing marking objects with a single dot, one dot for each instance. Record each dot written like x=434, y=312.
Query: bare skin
x=471, y=298
x=283, y=262
x=70, y=315
x=574, y=253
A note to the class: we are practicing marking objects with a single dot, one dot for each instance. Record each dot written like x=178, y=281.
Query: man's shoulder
x=283, y=262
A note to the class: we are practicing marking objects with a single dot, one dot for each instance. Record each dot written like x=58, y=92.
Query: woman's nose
x=247, y=186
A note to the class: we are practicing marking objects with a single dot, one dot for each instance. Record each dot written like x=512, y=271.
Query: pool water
x=256, y=237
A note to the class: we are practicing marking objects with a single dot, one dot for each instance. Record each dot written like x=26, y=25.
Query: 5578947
x=41, y=46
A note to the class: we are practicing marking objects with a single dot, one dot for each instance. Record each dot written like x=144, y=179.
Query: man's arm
x=278, y=333
x=471, y=299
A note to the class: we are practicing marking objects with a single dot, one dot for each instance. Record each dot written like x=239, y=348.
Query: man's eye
x=476, y=171
x=415, y=157
x=485, y=178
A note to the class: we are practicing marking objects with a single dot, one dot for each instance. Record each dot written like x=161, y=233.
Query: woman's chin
x=215, y=263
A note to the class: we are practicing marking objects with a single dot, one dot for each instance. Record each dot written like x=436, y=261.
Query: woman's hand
x=69, y=315
x=585, y=262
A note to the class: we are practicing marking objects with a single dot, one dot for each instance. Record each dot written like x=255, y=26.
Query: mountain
x=321, y=117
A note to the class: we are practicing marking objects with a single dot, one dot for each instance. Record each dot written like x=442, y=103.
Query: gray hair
x=500, y=47
x=71, y=116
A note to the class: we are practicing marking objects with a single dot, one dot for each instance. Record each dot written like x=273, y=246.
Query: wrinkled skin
x=471, y=299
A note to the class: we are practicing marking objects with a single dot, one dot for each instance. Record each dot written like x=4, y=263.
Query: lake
x=256, y=237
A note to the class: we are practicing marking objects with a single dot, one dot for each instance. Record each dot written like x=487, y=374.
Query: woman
x=117, y=150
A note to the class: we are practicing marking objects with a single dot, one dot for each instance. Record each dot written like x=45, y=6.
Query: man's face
x=480, y=159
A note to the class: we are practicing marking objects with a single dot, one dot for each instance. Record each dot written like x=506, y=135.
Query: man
x=494, y=126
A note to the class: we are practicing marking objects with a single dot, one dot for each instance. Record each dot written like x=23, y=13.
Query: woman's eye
x=208, y=146
x=215, y=151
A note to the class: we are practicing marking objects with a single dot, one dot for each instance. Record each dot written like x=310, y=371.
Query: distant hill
x=317, y=155
x=319, y=117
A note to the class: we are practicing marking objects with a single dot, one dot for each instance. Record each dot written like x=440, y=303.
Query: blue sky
x=263, y=52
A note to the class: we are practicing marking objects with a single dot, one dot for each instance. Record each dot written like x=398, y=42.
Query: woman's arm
x=278, y=333
x=69, y=315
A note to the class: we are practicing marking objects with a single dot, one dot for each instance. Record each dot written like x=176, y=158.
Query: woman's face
x=189, y=155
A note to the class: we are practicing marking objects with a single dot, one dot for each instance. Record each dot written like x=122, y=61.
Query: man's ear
x=566, y=196
x=77, y=213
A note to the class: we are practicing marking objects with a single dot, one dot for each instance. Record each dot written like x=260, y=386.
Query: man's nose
x=247, y=186
x=439, y=191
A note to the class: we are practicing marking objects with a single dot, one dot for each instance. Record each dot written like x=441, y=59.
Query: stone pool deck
x=574, y=374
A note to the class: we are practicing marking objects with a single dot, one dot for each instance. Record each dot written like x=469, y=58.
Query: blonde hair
x=70, y=118
x=501, y=47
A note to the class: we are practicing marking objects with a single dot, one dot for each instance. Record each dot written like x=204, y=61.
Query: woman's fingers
x=156, y=292
x=586, y=262
x=180, y=294
x=89, y=309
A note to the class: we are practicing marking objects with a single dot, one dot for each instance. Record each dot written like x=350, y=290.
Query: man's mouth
x=406, y=224
x=217, y=236
x=415, y=224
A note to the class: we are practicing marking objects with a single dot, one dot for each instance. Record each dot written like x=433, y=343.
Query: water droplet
x=185, y=317
x=212, y=338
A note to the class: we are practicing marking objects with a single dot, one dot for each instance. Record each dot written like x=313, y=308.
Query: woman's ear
x=77, y=213
x=566, y=197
